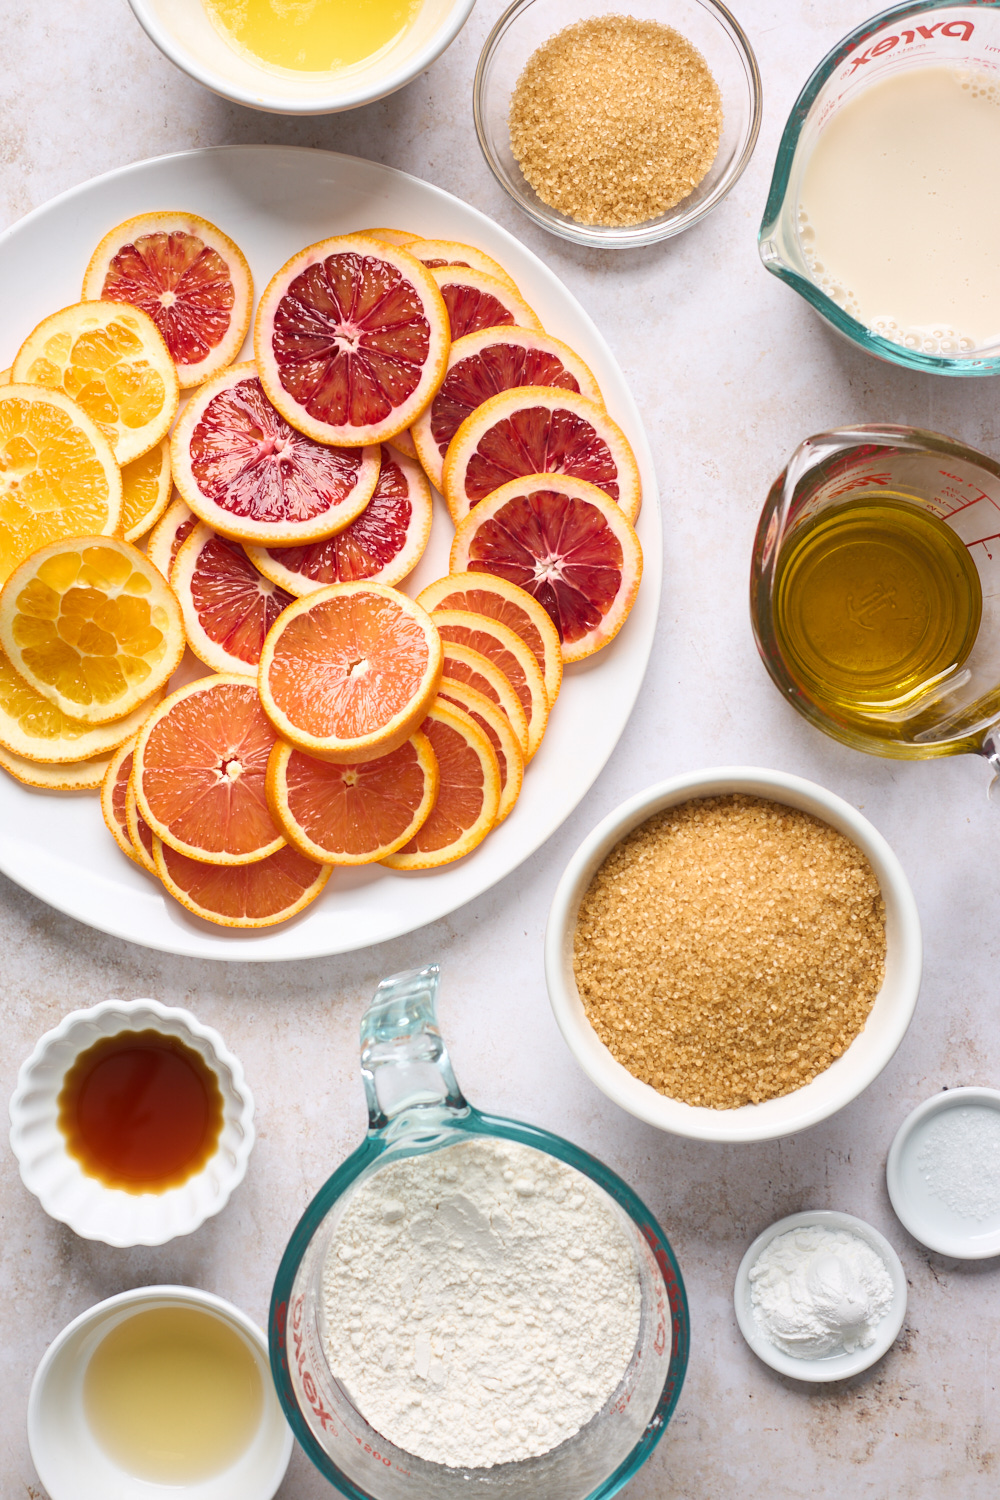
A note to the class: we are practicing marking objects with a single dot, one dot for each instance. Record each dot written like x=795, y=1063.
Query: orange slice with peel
x=352, y=815
x=348, y=673
x=538, y=430
x=139, y=832
x=114, y=792
x=200, y=764
x=91, y=625
x=496, y=726
x=399, y=237
x=145, y=491
x=69, y=776
x=258, y=895
x=437, y=253
x=482, y=593
x=351, y=340
x=33, y=728
x=173, y=528
x=403, y=443
x=463, y=664
x=185, y=274
x=468, y=793
x=228, y=607
x=506, y=650
x=476, y=300
x=114, y=364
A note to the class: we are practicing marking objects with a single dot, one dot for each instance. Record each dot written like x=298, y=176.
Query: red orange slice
x=228, y=607
x=496, y=726
x=114, y=792
x=476, y=300
x=468, y=796
x=464, y=665
x=499, y=644
x=258, y=895
x=139, y=831
x=483, y=593
x=176, y=524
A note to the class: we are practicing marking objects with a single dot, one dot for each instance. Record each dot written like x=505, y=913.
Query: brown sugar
x=729, y=949
x=614, y=120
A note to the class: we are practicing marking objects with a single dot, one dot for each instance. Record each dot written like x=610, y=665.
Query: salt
x=959, y=1160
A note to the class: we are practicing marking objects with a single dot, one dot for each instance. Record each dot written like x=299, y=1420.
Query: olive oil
x=312, y=36
x=876, y=601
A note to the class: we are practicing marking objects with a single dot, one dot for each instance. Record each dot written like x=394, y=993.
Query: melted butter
x=312, y=36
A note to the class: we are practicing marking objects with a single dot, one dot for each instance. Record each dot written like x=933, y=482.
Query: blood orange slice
x=475, y=300
x=483, y=593
x=352, y=815
x=468, y=794
x=258, y=895
x=384, y=544
x=351, y=340
x=145, y=491
x=188, y=276
x=348, y=673
x=251, y=476
x=71, y=776
x=228, y=607
x=139, y=831
x=200, y=764
x=463, y=664
x=480, y=366
x=436, y=253
x=495, y=725
x=175, y=526
x=398, y=237
x=565, y=543
x=114, y=792
x=535, y=430
x=505, y=650
x=403, y=443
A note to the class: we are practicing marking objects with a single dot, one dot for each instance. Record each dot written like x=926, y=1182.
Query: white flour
x=481, y=1303
x=817, y=1291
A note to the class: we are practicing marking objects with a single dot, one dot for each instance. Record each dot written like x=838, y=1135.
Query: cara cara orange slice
x=468, y=796
x=228, y=606
x=258, y=895
x=139, y=831
x=476, y=301
x=145, y=492
x=496, y=726
x=473, y=669
x=506, y=650
x=483, y=593
x=114, y=795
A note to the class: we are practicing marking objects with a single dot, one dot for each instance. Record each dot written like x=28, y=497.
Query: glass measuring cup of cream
x=884, y=208
x=417, y=1111
x=875, y=591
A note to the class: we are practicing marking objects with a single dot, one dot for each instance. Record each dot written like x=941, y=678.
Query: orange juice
x=312, y=36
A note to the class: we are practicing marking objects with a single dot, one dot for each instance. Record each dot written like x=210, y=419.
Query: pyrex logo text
x=963, y=29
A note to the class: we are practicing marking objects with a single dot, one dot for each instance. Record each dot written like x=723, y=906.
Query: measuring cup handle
x=404, y=1061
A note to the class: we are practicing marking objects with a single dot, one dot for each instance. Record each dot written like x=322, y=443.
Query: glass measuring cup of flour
x=959, y=711
x=415, y=1106
x=941, y=33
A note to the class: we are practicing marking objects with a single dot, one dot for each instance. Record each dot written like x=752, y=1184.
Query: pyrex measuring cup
x=960, y=710
x=415, y=1106
x=962, y=36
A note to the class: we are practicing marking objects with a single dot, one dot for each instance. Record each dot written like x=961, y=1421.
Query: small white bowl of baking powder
x=943, y=1173
x=820, y=1295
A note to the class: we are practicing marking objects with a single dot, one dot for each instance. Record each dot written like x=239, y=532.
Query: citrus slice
x=32, y=727
x=5, y=376
x=145, y=491
x=70, y=776
x=384, y=544
x=348, y=672
x=537, y=430
x=188, y=276
x=468, y=792
x=499, y=644
x=244, y=470
x=475, y=300
x=200, y=764
x=496, y=726
x=403, y=443
x=436, y=253
x=58, y=475
x=483, y=593
x=258, y=895
x=228, y=607
x=351, y=340
x=114, y=364
x=399, y=237
x=352, y=815
x=480, y=366
x=114, y=792
x=472, y=668
x=175, y=526
x=91, y=625
x=139, y=831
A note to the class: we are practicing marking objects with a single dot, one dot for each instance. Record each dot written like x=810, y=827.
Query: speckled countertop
x=730, y=371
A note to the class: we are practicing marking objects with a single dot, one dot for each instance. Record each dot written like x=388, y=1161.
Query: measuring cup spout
x=404, y=1061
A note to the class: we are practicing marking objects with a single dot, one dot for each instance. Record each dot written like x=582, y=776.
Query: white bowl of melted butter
x=315, y=58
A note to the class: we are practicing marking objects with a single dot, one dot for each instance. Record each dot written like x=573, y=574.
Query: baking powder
x=818, y=1291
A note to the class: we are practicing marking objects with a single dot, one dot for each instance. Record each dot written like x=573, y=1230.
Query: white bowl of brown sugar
x=733, y=954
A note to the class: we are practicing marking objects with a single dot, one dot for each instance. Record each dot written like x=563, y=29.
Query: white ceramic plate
x=931, y=1217
x=273, y=200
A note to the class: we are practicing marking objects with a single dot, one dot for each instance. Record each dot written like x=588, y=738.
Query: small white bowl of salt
x=820, y=1295
x=943, y=1173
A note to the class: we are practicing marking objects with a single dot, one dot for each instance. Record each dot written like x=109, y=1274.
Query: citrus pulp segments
x=563, y=541
x=33, y=728
x=58, y=475
x=69, y=776
x=475, y=301
x=188, y=276
x=468, y=792
x=436, y=253
x=91, y=625
x=199, y=772
x=114, y=793
x=139, y=831
x=258, y=895
x=496, y=598
x=164, y=542
x=114, y=364
x=228, y=607
x=496, y=726
x=145, y=492
x=348, y=673
x=482, y=365
x=351, y=340
x=538, y=430
x=462, y=664
x=384, y=544
x=251, y=476
x=352, y=815
x=506, y=650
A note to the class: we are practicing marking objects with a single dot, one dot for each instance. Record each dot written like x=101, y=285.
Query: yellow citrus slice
x=71, y=776
x=91, y=625
x=169, y=535
x=257, y=895
x=468, y=792
x=139, y=832
x=484, y=593
x=186, y=275
x=145, y=491
x=347, y=673
x=114, y=794
x=58, y=475
x=508, y=652
x=496, y=726
x=476, y=301
x=352, y=815
x=463, y=664
x=437, y=253
x=32, y=727
x=5, y=376
x=114, y=364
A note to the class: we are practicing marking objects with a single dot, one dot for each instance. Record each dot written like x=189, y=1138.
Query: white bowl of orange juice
x=334, y=55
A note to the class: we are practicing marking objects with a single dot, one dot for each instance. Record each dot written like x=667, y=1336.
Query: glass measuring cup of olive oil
x=415, y=1107
x=875, y=591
